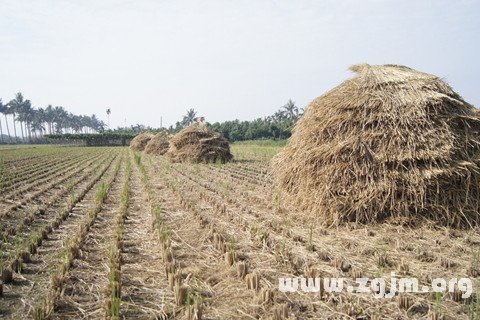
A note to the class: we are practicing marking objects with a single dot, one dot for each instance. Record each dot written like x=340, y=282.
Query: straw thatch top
x=393, y=98
x=384, y=143
x=197, y=143
x=139, y=142
x=158, y=144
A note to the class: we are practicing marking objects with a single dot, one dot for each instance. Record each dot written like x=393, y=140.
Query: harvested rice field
x=111, y=233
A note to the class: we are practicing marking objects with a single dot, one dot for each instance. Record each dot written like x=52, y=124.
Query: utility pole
x=161, y=119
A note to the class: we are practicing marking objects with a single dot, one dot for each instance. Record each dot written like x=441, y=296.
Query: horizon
x=146, y=60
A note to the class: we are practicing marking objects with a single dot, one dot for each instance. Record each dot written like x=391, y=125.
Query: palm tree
x=28, y=113
x=49, y=117
x=59, y=118
x=189, y=118
x=290, y=110
x=94, y=123
x=99, y=126
x=38, y=120
x=16, y=107
x=25, y=115
x=2, y=108
x=76, y=123
x=5, y=110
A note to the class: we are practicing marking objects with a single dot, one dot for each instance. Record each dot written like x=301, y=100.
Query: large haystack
x=390, y=142
x=159, y=144
x=197, y=143
x=140, y=141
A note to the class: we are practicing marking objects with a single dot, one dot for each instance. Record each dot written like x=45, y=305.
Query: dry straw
x=140, y=141
x=197, y=143
x=392, y=142
x=159, y=144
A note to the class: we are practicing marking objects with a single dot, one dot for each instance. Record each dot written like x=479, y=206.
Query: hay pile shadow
x=140, y=141
x=392, y=142
x=197, y=143
x=159, y=144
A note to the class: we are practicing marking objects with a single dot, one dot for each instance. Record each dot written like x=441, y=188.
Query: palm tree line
x=30, y=122
x=276, y=126
x=288, y=112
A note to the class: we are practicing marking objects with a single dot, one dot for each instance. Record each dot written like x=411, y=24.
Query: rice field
x=108, y=233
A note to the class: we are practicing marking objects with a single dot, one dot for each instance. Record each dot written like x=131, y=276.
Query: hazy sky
x=227, y=59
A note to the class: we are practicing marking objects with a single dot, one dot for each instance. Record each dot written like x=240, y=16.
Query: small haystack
x=159, y=144
x=140, y=141
x=392, y=142
x=197, y=143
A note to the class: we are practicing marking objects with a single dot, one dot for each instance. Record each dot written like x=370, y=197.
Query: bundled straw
x=159, y=144
x=390, y=142
x=197, y=143
x=140, y=141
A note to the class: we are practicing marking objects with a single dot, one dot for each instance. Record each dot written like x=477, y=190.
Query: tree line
x=277, y=126
x=35, y=122
x=30, y=124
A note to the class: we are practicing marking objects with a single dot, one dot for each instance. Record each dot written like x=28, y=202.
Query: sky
x=151, y=60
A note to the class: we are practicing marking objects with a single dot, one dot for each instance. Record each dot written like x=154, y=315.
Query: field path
x=33, y=284
x=144, y=283
x=224, y=294
x=83, y=295
x=46, y=211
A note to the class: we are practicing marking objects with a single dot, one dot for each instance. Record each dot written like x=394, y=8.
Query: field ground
x=95, y=233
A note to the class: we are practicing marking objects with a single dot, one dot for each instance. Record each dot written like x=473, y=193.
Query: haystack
x=140, y=141
x=197, y=143
x=392, y=142
x=159, y=144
